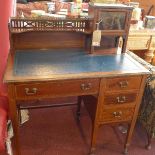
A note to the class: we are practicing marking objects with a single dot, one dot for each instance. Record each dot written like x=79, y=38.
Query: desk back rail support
x=56, y=33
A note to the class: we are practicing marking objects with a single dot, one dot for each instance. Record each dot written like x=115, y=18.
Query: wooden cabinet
x=113, y=21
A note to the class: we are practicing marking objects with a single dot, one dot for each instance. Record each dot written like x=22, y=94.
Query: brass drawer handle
x=117, y=114
x=123, y=84
x=121, y=99
x=86, y=86
x=33, y=91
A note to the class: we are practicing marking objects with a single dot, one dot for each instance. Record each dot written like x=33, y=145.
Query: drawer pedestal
x=116, y=103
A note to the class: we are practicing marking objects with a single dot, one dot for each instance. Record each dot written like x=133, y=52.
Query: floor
x=55, y=131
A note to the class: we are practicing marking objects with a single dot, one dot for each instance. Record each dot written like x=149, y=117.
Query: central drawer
x=58, y=88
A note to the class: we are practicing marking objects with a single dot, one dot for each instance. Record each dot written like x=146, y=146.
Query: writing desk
x=116, y=81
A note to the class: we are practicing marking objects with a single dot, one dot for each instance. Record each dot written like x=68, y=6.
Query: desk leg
x=134, y=119
x=93, y=138
x=78, y=112
x=14, y=118
x=148, y=56
x=129, y=135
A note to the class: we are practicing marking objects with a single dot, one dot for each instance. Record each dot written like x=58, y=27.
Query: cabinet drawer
x=59, y=88
x=137, y=43
x=116, y=115
x=123, y=83
x=120, y=98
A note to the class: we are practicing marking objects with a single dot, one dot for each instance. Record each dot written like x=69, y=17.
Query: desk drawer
x=123, y=83
x=116, y=115
x=59, y=88
x=120, y=98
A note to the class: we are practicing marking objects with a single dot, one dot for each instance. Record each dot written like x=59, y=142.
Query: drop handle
x=86, y=86
x=117, y=114
x=123, y=84
x=121, y=99
x=29, y=91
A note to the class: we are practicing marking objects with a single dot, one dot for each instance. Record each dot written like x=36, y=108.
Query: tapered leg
x=14, y=118
x=133, y=122
x=19, y=114
x=128, y=138
x=78, y=112
x=93, y=139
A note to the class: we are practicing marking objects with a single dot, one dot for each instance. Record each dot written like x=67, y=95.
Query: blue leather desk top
x=55, y=62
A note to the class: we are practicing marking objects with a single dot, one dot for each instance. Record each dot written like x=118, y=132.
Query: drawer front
x=116, y=115
x=123, y=83
x=59, y=88
x=138, y=43
x=120, y=98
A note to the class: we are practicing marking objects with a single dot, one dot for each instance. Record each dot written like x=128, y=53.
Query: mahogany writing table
x=53, y=58
x=111, y=86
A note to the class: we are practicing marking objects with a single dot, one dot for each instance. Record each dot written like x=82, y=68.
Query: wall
x=146, y=4
x=6, y=7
